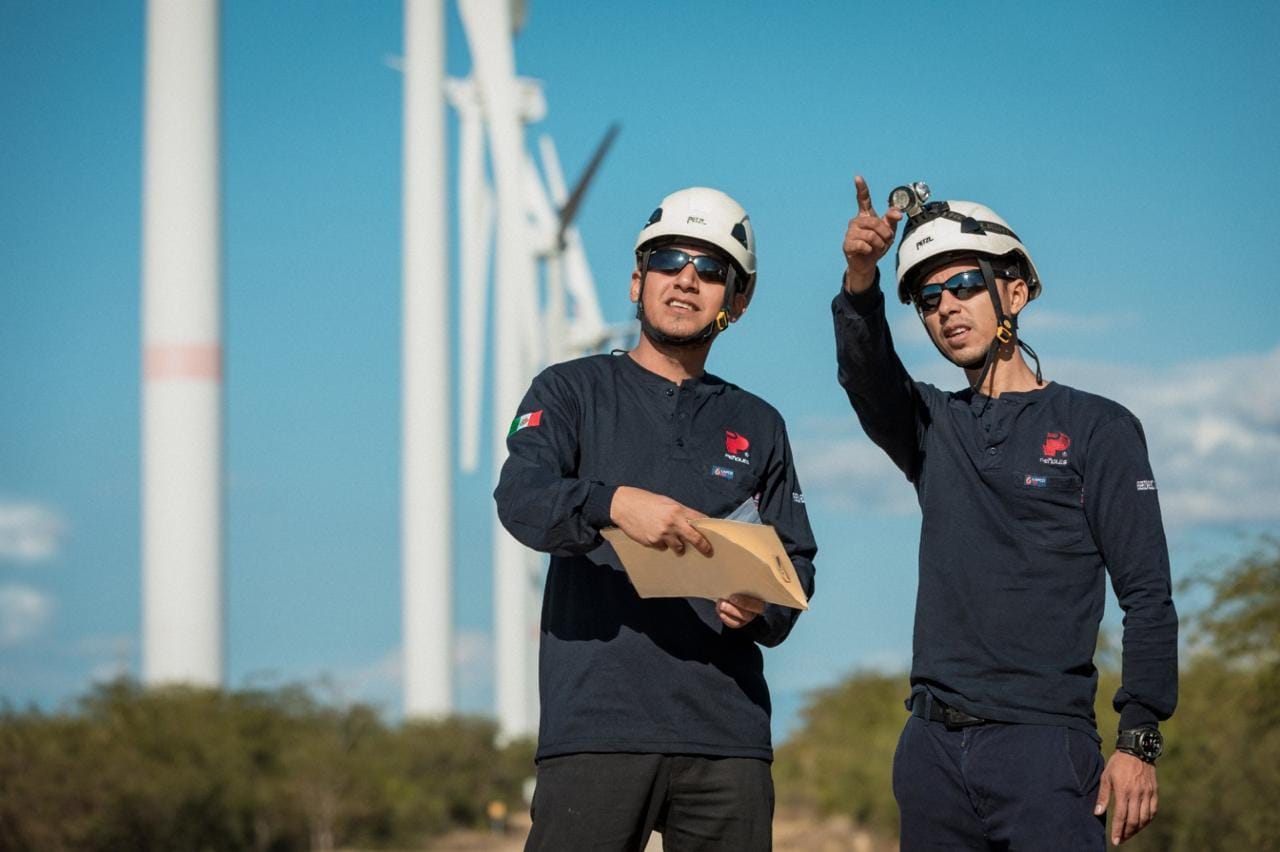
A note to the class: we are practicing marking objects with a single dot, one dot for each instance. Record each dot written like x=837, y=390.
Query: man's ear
x=1016, y=296
x=635, y=286
x=738, y=308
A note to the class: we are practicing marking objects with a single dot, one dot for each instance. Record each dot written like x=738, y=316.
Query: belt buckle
x=954, y=718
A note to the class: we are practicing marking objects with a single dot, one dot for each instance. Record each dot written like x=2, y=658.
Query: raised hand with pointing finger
x=867, y=239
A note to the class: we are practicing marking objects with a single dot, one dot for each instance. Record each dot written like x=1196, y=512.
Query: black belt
x=927, y=707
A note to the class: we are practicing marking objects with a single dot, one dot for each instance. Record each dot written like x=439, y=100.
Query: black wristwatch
x=1143, y=743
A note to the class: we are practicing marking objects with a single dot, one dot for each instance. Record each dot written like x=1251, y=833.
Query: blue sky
x=1132, y=148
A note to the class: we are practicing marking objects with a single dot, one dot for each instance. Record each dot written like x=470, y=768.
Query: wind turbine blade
x=542, y=215
x=550, y=335
x=519, y=14
x=580, y=331
x=587, y=322
x=570, y=209
x=551, y=166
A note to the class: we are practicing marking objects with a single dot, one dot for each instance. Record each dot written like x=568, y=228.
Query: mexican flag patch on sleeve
x=533, y=418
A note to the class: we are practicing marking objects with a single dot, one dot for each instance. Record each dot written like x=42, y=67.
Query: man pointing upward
x=1032, y=493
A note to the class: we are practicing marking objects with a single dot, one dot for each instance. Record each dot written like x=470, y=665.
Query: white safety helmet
x=705, y=217
x=947, y=229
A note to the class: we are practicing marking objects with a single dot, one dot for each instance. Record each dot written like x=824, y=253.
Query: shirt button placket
x=679, y=421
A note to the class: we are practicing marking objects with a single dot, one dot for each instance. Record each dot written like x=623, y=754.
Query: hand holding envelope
x=746, y=558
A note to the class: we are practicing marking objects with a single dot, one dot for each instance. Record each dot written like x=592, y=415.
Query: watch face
x=1144, y=743
x=1150, y=743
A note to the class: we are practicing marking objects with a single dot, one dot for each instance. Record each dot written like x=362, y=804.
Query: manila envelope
x=746, y=559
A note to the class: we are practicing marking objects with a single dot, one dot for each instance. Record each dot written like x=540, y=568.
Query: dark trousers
x=613, y=801
x=997, y=787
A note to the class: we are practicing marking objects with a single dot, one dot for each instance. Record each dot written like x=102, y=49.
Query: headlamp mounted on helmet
x=909, y=198
x=935, y=230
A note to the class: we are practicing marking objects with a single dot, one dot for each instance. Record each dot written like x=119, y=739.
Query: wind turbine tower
x=182, y=349
x=427, y=450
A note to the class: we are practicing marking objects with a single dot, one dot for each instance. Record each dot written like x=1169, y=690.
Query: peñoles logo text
x=736, y=447
x=1055, y=448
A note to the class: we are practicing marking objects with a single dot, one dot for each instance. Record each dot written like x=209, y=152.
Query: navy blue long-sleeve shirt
x=1028, y=501
x=618, y=673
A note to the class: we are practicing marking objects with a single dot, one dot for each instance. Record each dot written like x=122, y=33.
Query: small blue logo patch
x=722, y=472
x=1037, y=481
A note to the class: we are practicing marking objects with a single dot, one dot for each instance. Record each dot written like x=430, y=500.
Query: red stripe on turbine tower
x=182, y=361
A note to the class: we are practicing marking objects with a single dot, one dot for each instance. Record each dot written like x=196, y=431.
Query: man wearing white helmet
x=1031, y=493
x=655, y=712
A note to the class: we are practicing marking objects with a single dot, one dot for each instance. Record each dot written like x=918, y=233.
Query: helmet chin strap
x=710, y=330
x=1006, y=332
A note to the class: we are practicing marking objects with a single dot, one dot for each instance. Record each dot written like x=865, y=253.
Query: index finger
x=695, y=539
x=864, y=196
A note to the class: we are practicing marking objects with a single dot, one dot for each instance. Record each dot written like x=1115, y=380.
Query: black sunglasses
x=963, y=285
x=709, y=267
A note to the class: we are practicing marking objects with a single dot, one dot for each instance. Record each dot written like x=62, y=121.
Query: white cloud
x=377, y=683
x=1035, y=320
x=380, y=682
x=472, y=666
x=1212, y=426
x=1213, y=429
x=24, y=612
x=29, y=531
x=845, y=471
